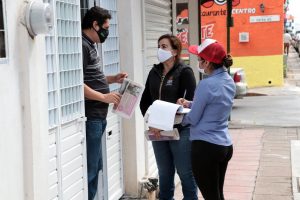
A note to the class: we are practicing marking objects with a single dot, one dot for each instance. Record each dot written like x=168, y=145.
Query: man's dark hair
x=96, y=13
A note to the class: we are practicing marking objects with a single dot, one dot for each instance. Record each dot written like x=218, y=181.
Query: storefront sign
x=207, y=31
x=265, y=18
x=243, y=11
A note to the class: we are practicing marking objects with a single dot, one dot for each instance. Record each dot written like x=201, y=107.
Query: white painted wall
x=132, y=61
x=23, y=119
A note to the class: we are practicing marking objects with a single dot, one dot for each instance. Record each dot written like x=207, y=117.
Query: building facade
x=42, y=103
x=256, y=37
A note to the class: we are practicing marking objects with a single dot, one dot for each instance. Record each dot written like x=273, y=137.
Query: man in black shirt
x=95, y=25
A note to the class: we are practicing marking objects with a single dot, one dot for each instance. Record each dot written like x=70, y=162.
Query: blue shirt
x=211, y=108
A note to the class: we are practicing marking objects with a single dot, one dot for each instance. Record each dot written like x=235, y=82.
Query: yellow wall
x=260, y=70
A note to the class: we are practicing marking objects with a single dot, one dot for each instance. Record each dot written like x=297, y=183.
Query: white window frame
x=5, y=59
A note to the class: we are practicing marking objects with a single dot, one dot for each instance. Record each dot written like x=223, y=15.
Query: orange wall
x=266, y=38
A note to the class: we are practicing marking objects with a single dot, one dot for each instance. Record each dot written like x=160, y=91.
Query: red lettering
x=207, y=31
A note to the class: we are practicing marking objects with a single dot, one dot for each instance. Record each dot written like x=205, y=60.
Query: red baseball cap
x=209, y=50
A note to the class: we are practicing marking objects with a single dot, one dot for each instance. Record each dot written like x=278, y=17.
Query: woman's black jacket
x=178, y=81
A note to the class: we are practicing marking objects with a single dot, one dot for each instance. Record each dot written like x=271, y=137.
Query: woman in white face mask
x=166, y=54
x=168, y=81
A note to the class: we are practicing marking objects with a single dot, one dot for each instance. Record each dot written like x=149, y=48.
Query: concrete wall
x=23, y=107
x=262, y=70
x=132, y=61
x=11, y=143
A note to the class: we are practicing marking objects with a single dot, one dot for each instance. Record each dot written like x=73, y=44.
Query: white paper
x=178, y=118
x=162, y=115
x=183, y=110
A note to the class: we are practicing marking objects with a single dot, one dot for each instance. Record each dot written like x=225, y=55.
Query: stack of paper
x=164, y=135
x=163, y=115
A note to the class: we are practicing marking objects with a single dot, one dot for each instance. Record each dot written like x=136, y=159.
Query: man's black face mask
x=102, y=34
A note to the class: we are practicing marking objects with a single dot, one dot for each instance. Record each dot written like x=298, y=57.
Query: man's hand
x=119, y=78
x=112, y=97
x=185, y=103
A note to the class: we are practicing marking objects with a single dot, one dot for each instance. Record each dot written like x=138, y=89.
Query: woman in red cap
x=208, y=119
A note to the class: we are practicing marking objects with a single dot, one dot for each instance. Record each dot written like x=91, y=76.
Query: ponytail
x=227, y=62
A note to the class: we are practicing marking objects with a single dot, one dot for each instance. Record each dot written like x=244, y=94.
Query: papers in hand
x=162, y=115
x=164, y=135
x=131, y=94
x=183, y=110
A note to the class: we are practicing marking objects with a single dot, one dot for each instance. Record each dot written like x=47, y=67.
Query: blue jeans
x=171, y=155
x=94, y=132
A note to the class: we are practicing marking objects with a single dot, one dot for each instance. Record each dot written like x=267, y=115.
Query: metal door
x=157, y=21
x=67, y=152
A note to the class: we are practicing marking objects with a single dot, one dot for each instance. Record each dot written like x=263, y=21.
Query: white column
x=30, y=57
x=35, y=122
x=193, y=33
x=24, y=124
x=131, y=57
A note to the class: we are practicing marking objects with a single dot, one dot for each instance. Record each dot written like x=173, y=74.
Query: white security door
x=67, y=151
x=157, y=21
x=112, y=144
x=110, y=184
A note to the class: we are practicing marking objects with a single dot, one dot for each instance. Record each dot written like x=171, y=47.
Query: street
x=271, y=106
x=278, y=106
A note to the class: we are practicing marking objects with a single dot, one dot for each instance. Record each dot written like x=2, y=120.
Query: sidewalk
x=260, y=168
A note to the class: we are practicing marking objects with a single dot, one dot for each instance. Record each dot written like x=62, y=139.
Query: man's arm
x=118, y=78
x=110, y=79
x=91, y=94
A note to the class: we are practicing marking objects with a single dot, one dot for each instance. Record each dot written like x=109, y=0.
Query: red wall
x=265, y=38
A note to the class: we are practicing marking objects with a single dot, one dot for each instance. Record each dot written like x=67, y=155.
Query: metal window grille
x=110, y=51
x=63, y=55
x=65, y=103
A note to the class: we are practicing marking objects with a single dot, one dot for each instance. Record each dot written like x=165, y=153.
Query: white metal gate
x=111, y=183
x=67, y=152
x=157, y=21
x=112, y=146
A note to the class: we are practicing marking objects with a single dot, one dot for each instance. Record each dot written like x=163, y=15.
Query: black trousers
x=209, y=164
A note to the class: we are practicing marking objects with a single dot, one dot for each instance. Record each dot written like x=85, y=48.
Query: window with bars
x=63, y=55
x=2, y=32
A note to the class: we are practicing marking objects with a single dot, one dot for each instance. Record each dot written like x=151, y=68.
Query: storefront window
x=2, y=32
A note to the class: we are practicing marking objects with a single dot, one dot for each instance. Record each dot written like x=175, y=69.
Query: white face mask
x=163, y=55
x=200, y=70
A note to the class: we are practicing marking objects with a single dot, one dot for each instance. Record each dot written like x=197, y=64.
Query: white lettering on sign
x=243, y=11
x=265, y=18
x=207, y=31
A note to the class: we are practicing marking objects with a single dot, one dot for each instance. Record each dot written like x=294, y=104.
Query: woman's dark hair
x=96, y=13
x=175, y=43
x=227, y=62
